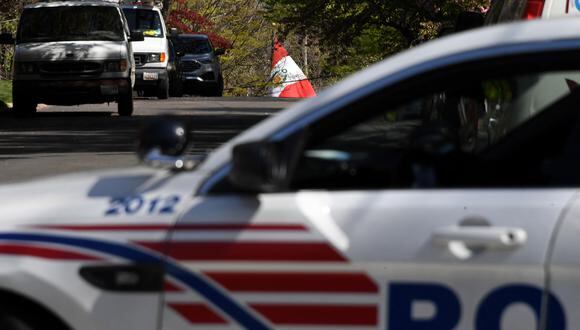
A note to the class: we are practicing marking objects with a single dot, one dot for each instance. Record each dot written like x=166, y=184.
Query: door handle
x=481, y=236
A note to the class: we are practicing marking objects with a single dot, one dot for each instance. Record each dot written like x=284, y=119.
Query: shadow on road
x=71, y=132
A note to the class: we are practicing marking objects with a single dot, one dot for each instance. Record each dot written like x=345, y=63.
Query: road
x=61, y=140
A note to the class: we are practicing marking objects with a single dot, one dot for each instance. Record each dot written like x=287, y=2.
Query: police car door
x=403, y=210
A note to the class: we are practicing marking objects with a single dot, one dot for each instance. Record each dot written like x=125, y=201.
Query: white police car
x=431, y=191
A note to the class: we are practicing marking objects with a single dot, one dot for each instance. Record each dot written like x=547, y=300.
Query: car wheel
x=125, y=104
x=23, y=105
x=215, y=89
x=20, y=321
x=163, y=89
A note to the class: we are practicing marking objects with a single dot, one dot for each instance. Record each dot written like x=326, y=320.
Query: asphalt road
x=61, y=140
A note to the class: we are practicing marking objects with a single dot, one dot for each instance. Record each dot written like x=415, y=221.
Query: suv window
x=70, y=23
x=144, y=20
x=192, y=45
x=505, y=131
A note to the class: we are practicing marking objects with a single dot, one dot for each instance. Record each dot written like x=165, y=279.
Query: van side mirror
x=7, y=39
x=136, y=36
x=219, y=51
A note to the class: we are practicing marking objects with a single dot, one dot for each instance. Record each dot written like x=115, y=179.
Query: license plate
x=150, y=76
x=109, y=90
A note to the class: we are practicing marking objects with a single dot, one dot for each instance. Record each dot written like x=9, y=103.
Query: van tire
x=163, y=89
x=125, y=104
x=23, y=105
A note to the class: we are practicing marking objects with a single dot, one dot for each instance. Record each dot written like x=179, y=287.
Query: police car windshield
x=70, y=23
x=192, y=46
x=144, y=20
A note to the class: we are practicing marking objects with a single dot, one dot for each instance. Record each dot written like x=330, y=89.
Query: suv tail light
x=534, y=9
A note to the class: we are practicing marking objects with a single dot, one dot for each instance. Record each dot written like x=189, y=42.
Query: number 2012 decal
x=132, y=205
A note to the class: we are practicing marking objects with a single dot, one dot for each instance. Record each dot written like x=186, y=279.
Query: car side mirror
x=163, y=143
x=219, y=51
x=259, y=167
x=7, y=39
x=137, y=36
x=173, y=32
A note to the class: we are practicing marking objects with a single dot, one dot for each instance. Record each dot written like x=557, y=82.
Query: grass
x=6, y=91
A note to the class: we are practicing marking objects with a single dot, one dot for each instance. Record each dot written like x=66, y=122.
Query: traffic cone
x=288, y=79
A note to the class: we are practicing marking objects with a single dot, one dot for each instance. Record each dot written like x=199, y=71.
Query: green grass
x=6, y=91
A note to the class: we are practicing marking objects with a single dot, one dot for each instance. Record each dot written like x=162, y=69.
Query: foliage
x=355, y=33
x=190, y=21
x=5, y=92
x=240, y=23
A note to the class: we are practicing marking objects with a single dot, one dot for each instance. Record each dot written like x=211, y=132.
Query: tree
x=355, y=33
x=238, y=25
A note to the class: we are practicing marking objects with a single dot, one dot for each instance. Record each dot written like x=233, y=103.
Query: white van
x=513, y=10
x=152, y=53
x=73, y=52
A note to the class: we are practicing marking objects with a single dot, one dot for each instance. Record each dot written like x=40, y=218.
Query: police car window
x=448, y=138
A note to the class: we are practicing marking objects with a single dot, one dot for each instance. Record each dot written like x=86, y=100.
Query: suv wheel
x=216, y=89
x=125, y=104
x=163, y=89
x=176, y=88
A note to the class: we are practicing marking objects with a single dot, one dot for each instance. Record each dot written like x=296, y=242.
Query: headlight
x=156, y=57
x=116, y=66
x=25, y=67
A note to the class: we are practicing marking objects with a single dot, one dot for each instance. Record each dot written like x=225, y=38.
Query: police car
x=430, y=191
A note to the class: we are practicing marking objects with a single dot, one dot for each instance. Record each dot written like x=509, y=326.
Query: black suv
x=200, y=63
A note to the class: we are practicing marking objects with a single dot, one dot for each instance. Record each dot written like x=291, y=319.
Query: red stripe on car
x=197, y=313
x=161, y=227
x=329, y=315
x=248, y=251
x=43, y=252
x=294, y=282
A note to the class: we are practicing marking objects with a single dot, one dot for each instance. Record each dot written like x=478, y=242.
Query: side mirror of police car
x=7, y=39
x=137, y=36
x=259, y=167
x=163, y=143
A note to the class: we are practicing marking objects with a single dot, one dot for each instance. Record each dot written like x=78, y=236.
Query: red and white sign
x=289, y=80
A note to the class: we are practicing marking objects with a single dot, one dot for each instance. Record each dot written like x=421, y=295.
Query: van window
x=144, y=20
x=70, y=23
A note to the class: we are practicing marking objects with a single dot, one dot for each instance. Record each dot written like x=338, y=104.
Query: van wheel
x=125, y=104
x=23, y=106
x=163, y=89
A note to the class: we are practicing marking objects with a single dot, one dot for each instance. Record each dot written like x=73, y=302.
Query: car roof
x=134, y=6
x=395, y=67
x=192, y=36
x=71, y=4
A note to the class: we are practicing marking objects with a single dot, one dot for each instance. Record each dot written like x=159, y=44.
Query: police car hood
x=85, y=198
x=70, y=50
